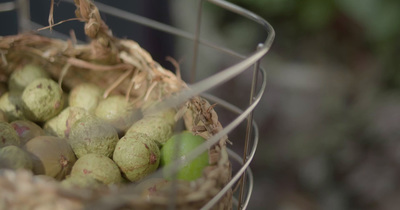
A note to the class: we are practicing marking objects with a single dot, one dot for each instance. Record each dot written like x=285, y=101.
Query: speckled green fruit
x=8, y=136
x=42, y=99
x=15, y=158
x=186, y=142
x=51, y=156
x=118, y=112
x=158, y=129
x=92, y=135
x=26, y=130
x=167, y=114
x=136, y=156
x=61, y=124
x=98, y=167
x=72, y=182
x=21, y=78
x=86, y=95
x=11, y=105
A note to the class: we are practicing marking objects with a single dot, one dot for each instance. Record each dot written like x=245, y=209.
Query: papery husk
x=119, y=66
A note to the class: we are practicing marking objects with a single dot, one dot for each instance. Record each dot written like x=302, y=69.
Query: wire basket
x=242, y=177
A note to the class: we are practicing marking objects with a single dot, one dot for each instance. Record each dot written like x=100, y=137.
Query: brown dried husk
x=106, y=61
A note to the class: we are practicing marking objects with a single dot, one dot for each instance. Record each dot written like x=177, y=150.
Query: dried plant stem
x=96, y=67
x=117, y=82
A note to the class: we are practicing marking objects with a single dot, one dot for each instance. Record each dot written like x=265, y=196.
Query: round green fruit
x=137, y=156
x=42, y=99
x=117, y=111
x=186, y=142
x=99, y=167
x=81, y=182
x=21, y=78
x=8, y=136
x=92, y=135
x=85, y=95
x=168, y=115
x=51, y=156
x=26, y=130
x=11, y=105
x=158, y=129
x=61, y=124
x=14, y=157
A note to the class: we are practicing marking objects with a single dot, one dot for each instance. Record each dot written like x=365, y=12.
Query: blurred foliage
x=372, y=26
x=322, y=146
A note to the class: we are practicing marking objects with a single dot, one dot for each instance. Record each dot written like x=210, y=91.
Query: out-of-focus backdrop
x=330, y=118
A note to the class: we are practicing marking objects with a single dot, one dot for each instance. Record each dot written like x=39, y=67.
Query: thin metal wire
x=7, y=6
x=23, y=15
x=249, y=176
x=245, y=166
x=248, y=127
x=196, y=41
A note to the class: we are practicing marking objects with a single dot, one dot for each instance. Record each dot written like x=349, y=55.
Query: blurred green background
x=330, y=118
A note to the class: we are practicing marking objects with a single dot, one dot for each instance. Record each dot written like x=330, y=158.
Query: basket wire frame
x=243, y=177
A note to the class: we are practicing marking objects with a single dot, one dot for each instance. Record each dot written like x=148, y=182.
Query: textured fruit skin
x=26, y=130
x=61, y=124
x=15, y=158
x=156, y=128
x=136, y=156
x=168, y=115
x=186, y=143
x=85, y=95
x=8, y=136
x=42, y=99
x=81, y=181
x=11, y=105
x=21, y=78
x=99, y=167
x=92, y=135
x=51, y=156
x=118, y=112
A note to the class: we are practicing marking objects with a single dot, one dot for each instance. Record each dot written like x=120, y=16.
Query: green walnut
x=156, y=128
x=14, y=157
x=137, y=156
x=8, y=136
x=26, y=130
x=42, y=99
x=185, y=142
x=99, y=167
x=167, y=115
x=21, y=78
x=92, y=135
x=11, y=106
x=86, y=95
x=51, y=156
x=72, y=182
x=61, y=124
x=118, y=111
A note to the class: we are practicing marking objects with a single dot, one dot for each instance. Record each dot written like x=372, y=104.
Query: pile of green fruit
x=82, y=139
